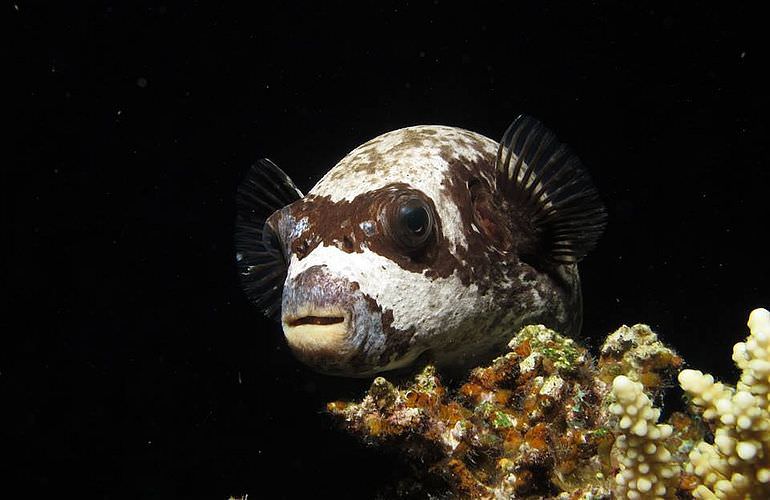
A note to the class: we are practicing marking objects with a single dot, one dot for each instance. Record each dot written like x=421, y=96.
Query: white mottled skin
x=421, y=167
x=430, y=304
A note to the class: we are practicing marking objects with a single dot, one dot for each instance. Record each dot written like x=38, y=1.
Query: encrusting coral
x=529, y=424
x=546, y=420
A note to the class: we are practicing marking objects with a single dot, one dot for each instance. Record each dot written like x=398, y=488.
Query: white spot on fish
x=369, y=228
x=299, y=227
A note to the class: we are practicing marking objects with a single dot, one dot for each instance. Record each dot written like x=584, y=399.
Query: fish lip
x=316, y=333
x=311, y=319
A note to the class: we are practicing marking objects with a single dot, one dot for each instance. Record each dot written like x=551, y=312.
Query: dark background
x=131, y=364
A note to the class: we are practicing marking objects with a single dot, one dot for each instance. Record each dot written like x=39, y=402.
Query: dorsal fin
x=546, y=182
x=261, y=264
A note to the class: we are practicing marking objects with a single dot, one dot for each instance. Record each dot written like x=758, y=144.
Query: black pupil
x=415, y=218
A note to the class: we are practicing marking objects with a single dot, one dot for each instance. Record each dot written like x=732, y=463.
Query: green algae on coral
x=503, y=420
x=562, y=351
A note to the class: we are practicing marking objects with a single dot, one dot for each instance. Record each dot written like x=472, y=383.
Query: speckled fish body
x=428, y=240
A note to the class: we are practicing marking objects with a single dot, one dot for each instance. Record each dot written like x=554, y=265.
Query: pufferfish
x=427, y=241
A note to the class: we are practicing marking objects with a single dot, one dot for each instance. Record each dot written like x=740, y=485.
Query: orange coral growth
x=537, y=437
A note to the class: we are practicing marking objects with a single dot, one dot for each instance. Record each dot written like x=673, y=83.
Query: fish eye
x=415, y=218
x=411, y=224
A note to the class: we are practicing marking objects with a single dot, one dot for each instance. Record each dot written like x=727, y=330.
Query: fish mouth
x=315, y=332
x=316, y=320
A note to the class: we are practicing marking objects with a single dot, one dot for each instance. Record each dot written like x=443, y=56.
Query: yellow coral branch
x=646, y=468
x=737, y=465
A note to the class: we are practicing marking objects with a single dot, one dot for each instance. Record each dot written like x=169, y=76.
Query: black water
x=131, y=365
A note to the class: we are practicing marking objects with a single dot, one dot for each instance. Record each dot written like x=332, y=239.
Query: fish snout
x=318, y=319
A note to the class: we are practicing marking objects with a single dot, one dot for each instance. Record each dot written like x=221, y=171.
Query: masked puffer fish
x=427, y=240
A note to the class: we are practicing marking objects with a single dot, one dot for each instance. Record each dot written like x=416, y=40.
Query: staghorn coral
x=737, y=464
x=546, y=420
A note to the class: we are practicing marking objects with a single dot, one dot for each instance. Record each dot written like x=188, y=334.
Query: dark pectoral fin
x=259, y=253
x=545, y=182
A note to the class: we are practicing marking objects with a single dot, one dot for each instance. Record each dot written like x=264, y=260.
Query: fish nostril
x=316, y=320
x=347, y=242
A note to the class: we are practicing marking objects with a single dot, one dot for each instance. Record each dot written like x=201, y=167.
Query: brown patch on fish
x=487, y=256
x=344, y=230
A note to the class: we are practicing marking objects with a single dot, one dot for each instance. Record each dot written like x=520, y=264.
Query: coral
x=547, y=420
x=637, y=353
x=737, y=464
x=640, y=448
x=528, y=424
x=532, y=424
x=645, y=453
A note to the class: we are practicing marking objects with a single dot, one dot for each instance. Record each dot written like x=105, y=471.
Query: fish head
x=375, y=252
x=410, y=243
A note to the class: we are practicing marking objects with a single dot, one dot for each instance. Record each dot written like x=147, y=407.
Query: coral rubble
x=547, y=420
